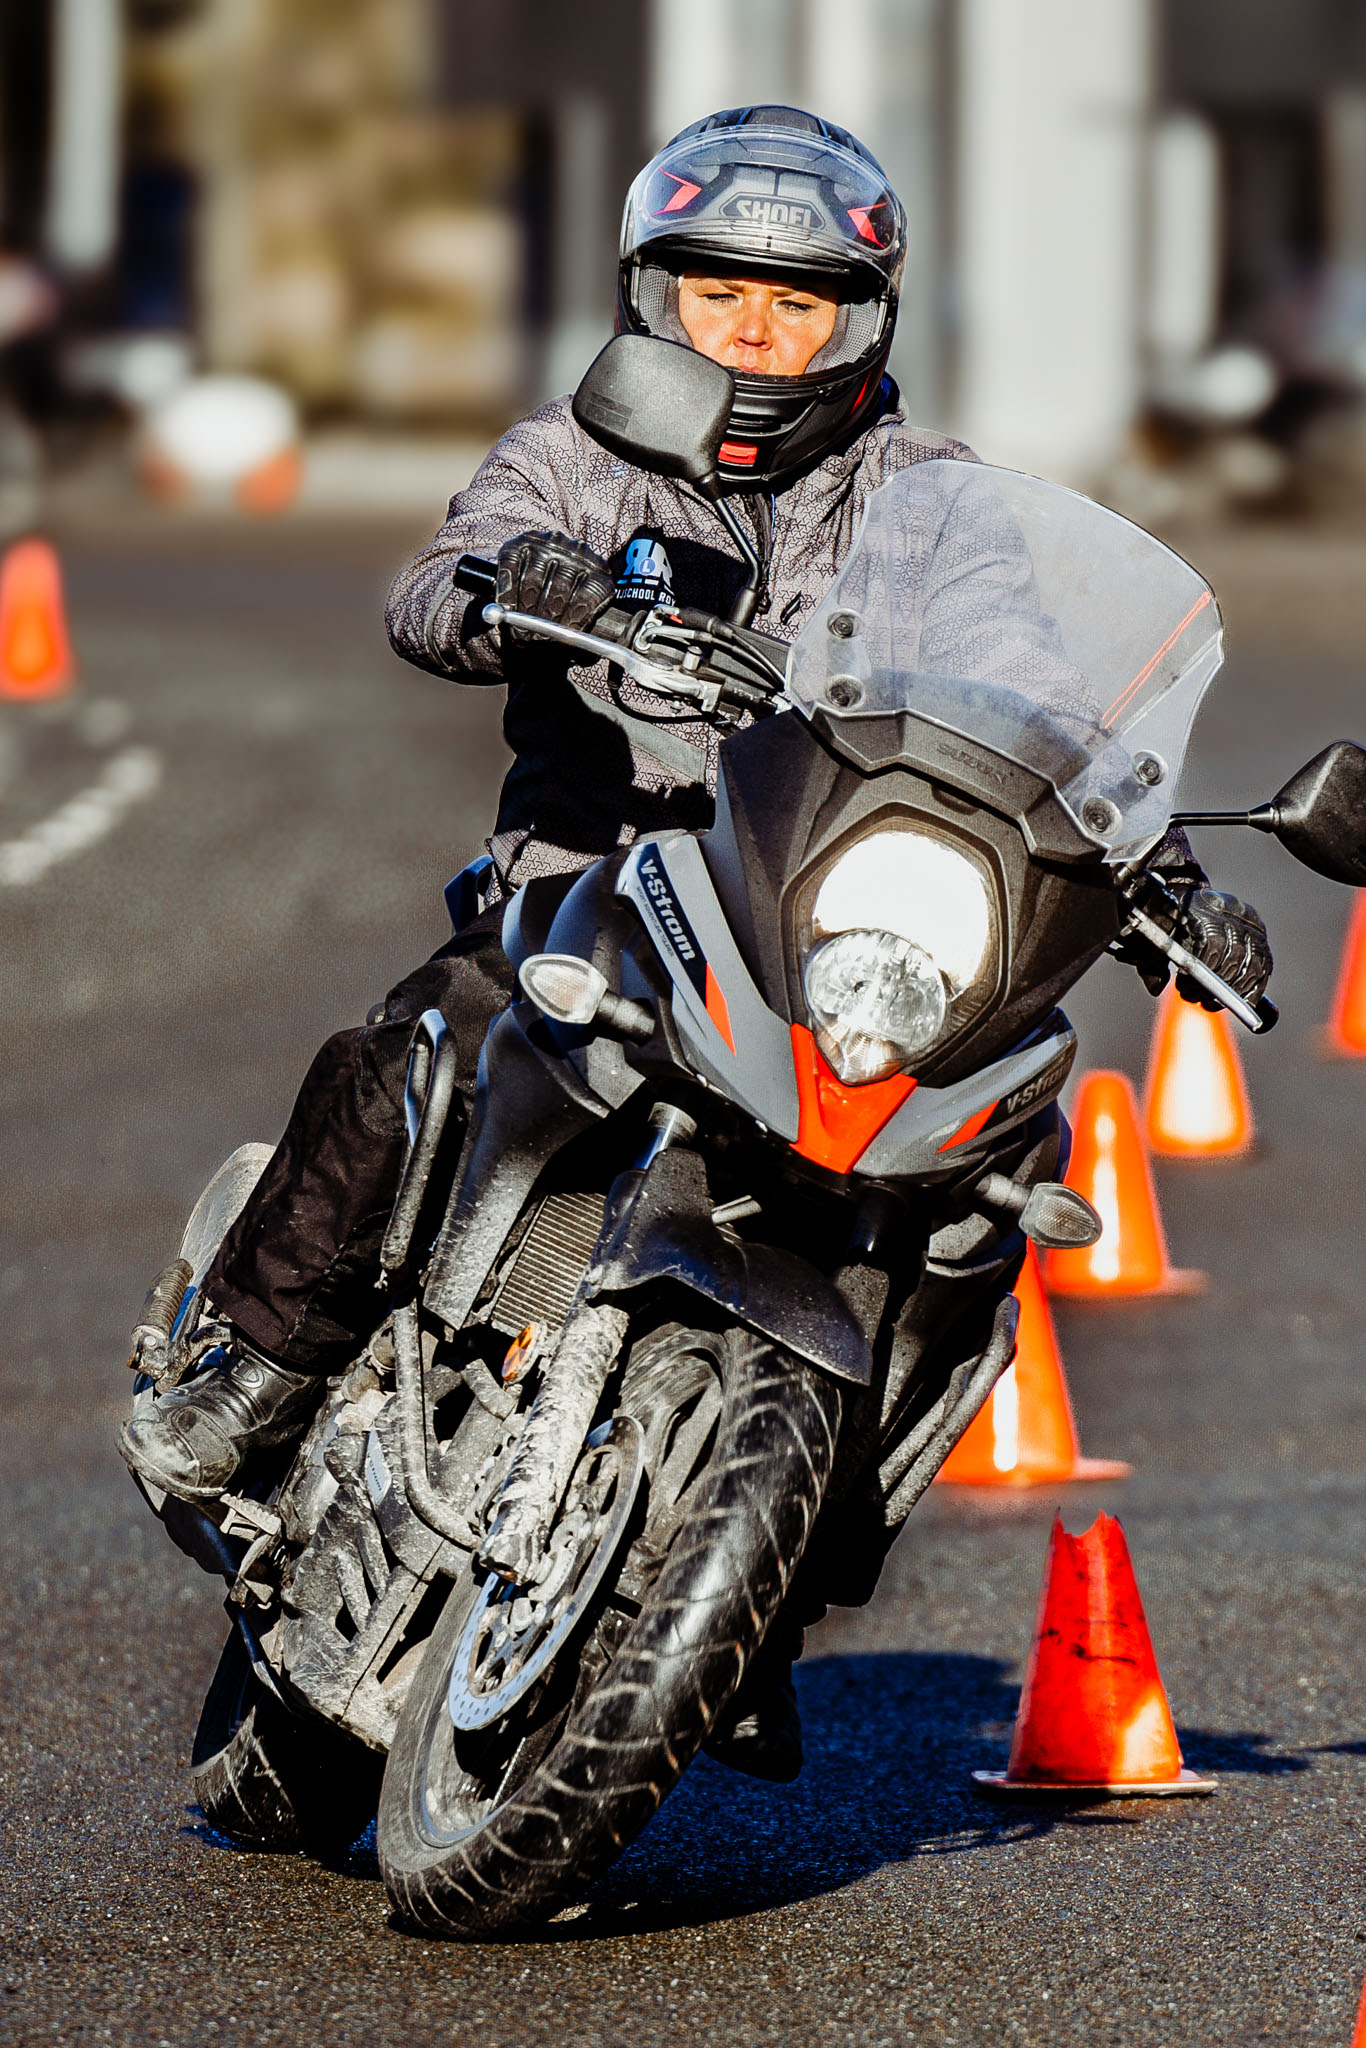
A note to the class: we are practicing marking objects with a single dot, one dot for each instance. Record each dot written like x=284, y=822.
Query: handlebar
x=476, y=575
x=707, y=661
x=643, y=633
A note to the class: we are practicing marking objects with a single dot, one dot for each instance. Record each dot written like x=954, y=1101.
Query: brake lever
x=1258, y=1017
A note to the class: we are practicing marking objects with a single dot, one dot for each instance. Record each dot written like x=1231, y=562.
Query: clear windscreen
x=1031, y=620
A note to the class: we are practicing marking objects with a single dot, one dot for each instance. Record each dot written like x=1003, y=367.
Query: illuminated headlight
x=877, y=1001
x=902, y=925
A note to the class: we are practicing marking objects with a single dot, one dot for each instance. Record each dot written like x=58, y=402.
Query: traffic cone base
x=1093, y=1719
x=1188, y=1785
x=1195, y=1102
x=1109, y=1166
x=1100, y=1468
x=1176, y=1280
x=1024, y=1434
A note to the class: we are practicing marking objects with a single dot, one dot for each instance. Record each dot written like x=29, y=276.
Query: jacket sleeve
x=1175, y=863
x=528, y=482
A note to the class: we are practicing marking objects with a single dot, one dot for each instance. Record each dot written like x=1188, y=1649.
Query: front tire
x=591, y=1763
x=273, y=1780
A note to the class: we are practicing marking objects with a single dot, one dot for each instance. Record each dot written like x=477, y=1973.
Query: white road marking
x=129, y=776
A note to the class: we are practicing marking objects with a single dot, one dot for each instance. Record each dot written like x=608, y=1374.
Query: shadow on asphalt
x=891, y=1742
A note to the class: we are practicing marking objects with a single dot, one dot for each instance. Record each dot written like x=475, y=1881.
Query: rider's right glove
x=554, y=577
x=1226, y=934
x=1222, y=931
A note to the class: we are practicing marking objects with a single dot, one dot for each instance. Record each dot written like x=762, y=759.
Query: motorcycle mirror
x=659, y=405
x=1320, y=814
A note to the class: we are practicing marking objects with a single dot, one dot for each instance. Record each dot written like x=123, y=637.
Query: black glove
x=1226, y=934
x=1222, y=931
x=555, y=577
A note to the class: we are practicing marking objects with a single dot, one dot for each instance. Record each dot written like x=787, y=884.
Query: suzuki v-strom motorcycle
x=777, y=1097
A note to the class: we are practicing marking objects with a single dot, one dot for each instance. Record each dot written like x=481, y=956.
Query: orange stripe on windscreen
x=1141, y=678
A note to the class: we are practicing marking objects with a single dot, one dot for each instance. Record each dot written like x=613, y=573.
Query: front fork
x=573, y=1380
x=571, y=1387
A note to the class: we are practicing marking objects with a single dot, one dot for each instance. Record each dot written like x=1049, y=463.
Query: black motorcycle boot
x=195, y=1440
x=760, y=1732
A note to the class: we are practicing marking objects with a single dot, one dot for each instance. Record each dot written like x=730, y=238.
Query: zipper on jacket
x=764, y=521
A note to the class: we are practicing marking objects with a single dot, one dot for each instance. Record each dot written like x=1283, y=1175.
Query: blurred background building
x=1138, y=226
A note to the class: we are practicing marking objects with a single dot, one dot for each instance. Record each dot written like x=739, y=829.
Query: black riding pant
x=296, y=1273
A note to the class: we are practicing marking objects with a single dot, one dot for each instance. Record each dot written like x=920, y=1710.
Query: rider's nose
x=753, y=328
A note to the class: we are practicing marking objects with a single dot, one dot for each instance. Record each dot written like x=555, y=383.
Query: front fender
x=659, y=1227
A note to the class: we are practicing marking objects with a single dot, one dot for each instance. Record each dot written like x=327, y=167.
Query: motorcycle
x=701, y=1294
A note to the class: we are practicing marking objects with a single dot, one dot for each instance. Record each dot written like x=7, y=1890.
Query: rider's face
x=751, y=323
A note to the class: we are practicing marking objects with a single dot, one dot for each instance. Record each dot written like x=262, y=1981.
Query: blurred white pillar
x=1052, y=99
x=87, y=98
x=693, y=45
x=1183, y=238
x=584, y=222
x=1343, y=336
x=843, y=48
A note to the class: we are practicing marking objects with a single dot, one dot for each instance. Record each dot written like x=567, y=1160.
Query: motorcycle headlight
x=877, y=1000
x=902, y=926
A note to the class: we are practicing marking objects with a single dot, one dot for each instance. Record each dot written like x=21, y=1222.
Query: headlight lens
x=902, y=925
x=877, y=1001
x=918, y=887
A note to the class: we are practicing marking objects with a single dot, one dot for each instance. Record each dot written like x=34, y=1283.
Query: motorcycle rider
x=769, y=240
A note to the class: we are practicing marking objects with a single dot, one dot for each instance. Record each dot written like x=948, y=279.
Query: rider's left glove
x=554, y=577
x=1226, y=934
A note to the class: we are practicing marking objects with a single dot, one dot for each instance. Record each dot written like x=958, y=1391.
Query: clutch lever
x=664, y=682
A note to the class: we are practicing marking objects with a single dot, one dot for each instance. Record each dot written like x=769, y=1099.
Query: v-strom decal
x=732, y=1038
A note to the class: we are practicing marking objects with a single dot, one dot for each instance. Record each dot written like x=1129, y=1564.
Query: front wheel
x=489, y=1830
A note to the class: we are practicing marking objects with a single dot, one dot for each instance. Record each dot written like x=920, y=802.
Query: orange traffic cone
x=35, y=653
x=1359, y=2033
x=1195, y=1103
x=1025, y=1435
x=1110, y=1167
x=1346, y=1033
x=1093, y=1712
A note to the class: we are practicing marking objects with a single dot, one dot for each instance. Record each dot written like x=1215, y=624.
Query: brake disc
x=514, y=1632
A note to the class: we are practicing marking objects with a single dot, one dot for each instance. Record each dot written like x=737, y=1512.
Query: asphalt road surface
x=269, y=862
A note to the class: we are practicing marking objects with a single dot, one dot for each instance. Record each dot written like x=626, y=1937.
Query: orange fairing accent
x=836, y=1124
x=716, y=1008
x=968, y=1130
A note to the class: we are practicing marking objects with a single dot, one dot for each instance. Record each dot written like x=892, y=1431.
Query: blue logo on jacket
x=648, y=576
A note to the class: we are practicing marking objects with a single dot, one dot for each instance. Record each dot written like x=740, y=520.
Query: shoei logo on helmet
x=773, y=213
x=683, y=196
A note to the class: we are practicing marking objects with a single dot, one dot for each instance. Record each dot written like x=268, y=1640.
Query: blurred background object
x=1138, y=227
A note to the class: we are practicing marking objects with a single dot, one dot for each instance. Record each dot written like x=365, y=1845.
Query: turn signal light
x=572, y=991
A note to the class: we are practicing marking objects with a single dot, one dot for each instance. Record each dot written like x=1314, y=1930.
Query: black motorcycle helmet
x=772, y=191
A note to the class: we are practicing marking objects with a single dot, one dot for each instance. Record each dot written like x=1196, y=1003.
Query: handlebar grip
x=1268, y=1013
x=475, y=574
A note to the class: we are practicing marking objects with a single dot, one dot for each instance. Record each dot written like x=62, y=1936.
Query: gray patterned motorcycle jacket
x=590, y=774
x=598, y=760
